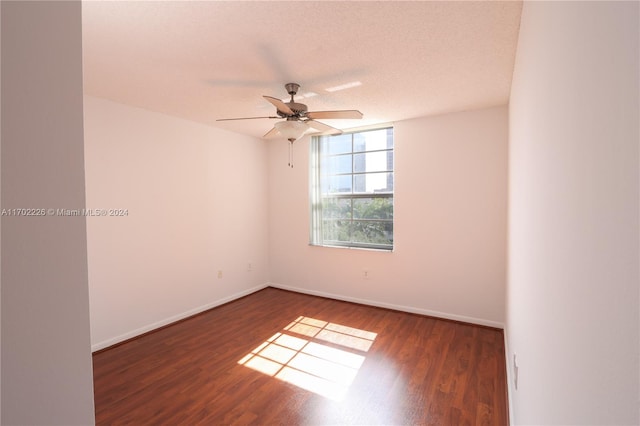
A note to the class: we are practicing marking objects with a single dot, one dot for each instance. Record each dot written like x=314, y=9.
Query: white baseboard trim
x=410, y=309
x=174, y=318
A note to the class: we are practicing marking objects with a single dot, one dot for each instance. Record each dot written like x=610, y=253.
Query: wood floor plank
x=204, y=370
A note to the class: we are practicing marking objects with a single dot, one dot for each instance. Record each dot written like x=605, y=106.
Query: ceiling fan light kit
x=298, y=119
x=291, y=129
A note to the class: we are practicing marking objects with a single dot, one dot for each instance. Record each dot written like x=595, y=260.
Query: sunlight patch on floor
x=316, y=367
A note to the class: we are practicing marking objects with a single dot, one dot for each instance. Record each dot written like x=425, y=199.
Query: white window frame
x=317, y=234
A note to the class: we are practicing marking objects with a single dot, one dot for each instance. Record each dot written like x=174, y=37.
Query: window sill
x=384, y=250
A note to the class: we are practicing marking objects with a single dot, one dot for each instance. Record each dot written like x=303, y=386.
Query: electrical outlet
x=365, y=274
x=220, y=273
x=249, y=267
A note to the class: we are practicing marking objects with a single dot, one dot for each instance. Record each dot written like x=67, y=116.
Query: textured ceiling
x=206, y=60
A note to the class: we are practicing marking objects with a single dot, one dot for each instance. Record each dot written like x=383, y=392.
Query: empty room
x=322, y=212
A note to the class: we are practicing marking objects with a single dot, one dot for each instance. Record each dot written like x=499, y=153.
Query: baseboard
x=150, y=327
x=410, y=309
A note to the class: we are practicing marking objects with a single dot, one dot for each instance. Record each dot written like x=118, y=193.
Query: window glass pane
x=378, y=161
x=337, y=230
x=371, y=140
x=340, y=144
x=370, y=183
x=336, y=208
x=390, y=138
x=324, y=185
x=373, y=208
x=338, y=164
x=371, y=232
x=338, y=184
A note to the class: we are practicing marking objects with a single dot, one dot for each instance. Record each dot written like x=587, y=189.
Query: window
x=352, y=190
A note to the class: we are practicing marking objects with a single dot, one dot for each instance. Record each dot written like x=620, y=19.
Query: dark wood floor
x=278, y=357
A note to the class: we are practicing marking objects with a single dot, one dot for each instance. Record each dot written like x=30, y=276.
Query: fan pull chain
x=290, y=154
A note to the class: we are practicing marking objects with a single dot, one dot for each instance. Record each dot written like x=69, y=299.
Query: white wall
x=572, y=299
x=46, y=356
x=197, y=203
x=450, y=223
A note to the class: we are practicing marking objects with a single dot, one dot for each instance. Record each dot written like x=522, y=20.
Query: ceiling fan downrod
x=292, y=89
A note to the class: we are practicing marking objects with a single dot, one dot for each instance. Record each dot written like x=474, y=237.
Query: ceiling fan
x=298, y=119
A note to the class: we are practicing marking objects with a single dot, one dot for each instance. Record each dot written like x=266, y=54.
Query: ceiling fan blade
x=271, y=133
x=244, y=118
x=324, y=128
x=346, y=113
x=281, y=106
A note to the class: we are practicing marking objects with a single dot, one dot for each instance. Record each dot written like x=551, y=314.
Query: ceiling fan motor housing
x=299, y=109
